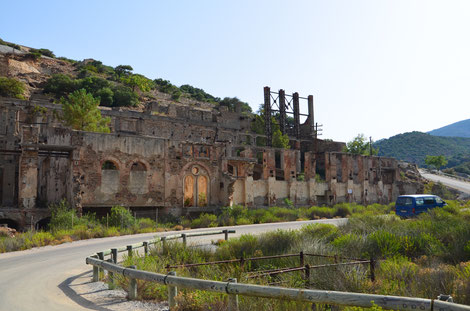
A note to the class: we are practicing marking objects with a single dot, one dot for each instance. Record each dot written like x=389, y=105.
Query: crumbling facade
x=175, y=158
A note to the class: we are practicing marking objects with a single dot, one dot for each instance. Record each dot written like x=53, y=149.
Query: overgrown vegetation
x=80, y=112
x=10, y=87
x=422, y=257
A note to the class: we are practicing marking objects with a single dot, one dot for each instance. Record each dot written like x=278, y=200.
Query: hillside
x=39, y=74
x=457, y=129
x=414, y=146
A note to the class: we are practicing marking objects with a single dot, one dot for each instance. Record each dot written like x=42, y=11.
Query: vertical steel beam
x=282, y=111
x=296, y=115
x=267, y=116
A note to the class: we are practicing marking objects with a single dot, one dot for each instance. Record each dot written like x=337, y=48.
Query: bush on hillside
x=10, y=87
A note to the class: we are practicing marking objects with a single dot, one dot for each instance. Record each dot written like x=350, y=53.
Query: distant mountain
x=415, y=146
x=457, y=129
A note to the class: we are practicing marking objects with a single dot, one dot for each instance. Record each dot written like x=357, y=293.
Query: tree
x=80, y=111
x=280, y=140
x=123, y=70
x=138, y=81
x=124, y=96
x=232, y=102
x=436, y=161
x=11, y=88
x=360, y=145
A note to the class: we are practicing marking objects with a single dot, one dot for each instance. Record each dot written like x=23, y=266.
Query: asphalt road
x=447, y=181
x=39, y=279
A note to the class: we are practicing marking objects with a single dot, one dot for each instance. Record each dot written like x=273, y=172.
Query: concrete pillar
x=28, y=168
x=311, y=115
x=249, y=195
x=271, y=191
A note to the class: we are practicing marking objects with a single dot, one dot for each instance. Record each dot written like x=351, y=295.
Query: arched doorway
x=10, y=223
x=196, y=190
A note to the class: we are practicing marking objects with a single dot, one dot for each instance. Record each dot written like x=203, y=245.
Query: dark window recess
x=302, y=161
x=259, y=157
x=108, y=165
x=221, y=185
x=277, y=157
x=230, y=169
x=138, y=166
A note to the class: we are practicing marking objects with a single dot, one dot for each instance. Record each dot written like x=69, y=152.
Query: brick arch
x=137, y=160
x=115, y=161
x=187, y=167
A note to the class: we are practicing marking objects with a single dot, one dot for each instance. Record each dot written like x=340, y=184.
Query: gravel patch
x=98, y=294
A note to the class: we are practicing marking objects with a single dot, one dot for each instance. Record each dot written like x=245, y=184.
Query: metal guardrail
x=233, y=289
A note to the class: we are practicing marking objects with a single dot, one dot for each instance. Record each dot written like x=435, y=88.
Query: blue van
x=412, y=205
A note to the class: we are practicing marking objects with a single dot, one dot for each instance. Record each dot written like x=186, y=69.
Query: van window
x=439, y=200
x=404, y=201
x=419, y=201
x=429, y=201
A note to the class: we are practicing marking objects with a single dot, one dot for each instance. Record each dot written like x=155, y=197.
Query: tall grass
x=422, y=257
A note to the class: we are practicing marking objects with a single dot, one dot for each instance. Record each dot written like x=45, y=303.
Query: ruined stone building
x=180, y=159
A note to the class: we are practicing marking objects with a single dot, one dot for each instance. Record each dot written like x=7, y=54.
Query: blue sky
x=378, y=67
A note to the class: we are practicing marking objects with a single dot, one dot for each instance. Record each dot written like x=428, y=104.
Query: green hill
x=457, y=129
x=414, y=146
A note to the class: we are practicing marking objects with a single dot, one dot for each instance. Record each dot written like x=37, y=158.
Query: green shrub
x=45, y=52
x=320, y=231
x=33, y=55
x=60, y=85
x=106, y=96
x=384, y=244
x=321, y=212
x=124, y=97
x=144, y=223
x=62, y=216
x=10, y=87
x=204, y=221
x=342, y=210
x=42, y=238
x=351, y=245
x=121, y=217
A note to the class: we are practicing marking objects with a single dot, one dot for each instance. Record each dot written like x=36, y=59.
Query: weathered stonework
x=175, y=158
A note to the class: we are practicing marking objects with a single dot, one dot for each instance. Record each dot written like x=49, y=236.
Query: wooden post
x=146, y=247
x=226, y=234
x=129, y=250
x=172, y=292
x=183, y=235
x=101, y=257
x=372, y=269
x=111, y=284
x=336, y=258
x=302, y=259
x=132, y=287
x=307, y=275
x=96, y=275
x=232, y=304
x=242, y=263
x=114, y=254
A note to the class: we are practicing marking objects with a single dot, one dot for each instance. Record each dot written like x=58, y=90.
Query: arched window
x=138, y=178
x=196, y=190
x=109, y=177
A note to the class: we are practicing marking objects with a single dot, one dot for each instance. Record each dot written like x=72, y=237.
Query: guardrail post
x=232, y=303
x=114, y=254
x=96, y=274
x=111, y=284
x=301, y=258
x=225, y=234
x=372, y=269
x=172, y=292
x=163, y=239
x=101, y=257
x=146, y=247
x=183, y=235
x=132, y=287
x=129, y=250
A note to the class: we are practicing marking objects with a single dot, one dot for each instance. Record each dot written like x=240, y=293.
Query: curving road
x=39, y=279
x=447, y=181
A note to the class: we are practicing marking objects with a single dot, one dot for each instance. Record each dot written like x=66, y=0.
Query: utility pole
x=370, y=145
